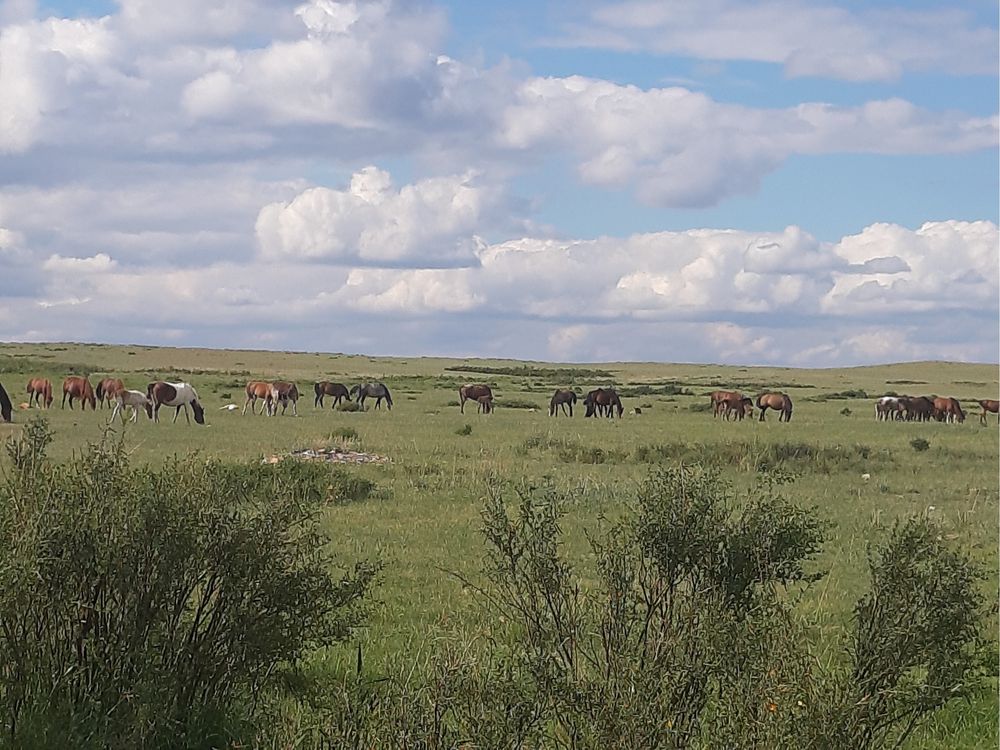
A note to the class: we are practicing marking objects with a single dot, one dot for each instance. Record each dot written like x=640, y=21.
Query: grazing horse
x=173, y=394
x=888, y=408
x=779, y=402
x=257, y=389
x=918, y=408
x=989, y=407
x=6, y=408
x=485, y=404
x=284, y=392
x=107, y=389
x=78, y=387
x=603, y=402
x=474, y=392
x=377, y=391
x=40, y=392
x=948, y=410
x=126, y=399
x=740, y=406
x=720, y=399
x=560, y=400
x=326, y=388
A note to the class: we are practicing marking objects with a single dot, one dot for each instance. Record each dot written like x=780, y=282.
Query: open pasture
x=423, y=517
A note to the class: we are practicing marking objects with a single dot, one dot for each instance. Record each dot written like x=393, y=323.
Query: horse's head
x=355, y=390
x=199, y=413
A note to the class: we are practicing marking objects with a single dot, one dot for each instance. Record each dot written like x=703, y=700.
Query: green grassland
x=423, y=518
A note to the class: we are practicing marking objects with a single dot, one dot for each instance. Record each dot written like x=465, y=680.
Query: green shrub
x=349, y=406
x=464, y=430
x=919, y=445
x=146, y=607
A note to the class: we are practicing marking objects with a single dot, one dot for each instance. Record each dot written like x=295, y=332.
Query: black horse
x=377, y=391
x=562, y=399
x=6, y=409
x=326, y=388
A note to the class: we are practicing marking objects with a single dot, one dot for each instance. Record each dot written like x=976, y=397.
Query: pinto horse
x=6, y=408
x=126, y=399
x=888, y=408
x=282, y=391
x=603, y=402
x=257, y=389
x=989, y=407
x=780, y=402
x=78, y=387
x=40, y=392
x=107, y=389
x=472, y=391
x=377, y=391
x=326, y=388
x=179, y=395
x=560, y=400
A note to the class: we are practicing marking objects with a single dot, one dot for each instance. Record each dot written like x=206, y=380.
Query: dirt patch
x=331, y=456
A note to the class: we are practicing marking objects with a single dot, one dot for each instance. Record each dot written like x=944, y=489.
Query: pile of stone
x=331, y=455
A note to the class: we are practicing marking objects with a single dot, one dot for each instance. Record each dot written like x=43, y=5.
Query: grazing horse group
x=474, y=392
x=271, y=394
x=731, y=404
x=603, y=402
x=920, y=409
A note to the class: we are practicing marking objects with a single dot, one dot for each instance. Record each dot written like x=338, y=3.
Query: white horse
x=174, y=394
x=133, y=400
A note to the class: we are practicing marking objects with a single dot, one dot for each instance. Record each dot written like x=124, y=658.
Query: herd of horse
x=600, y=402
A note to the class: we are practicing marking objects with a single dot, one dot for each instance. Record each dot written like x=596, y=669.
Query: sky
x=784, y=182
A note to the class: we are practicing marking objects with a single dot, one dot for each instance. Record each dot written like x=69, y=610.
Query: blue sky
x=433, y=161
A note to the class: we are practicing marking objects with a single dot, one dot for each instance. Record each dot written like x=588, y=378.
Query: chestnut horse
x=6, y=408
x=257, y=389
x=603, y=402
x=740, y=406
x=989, y=407
x=107, y=389
x=719, y=400
x=560, y=400
x=282, y=391
x=474, y=392
x=40, y=392
x=948, y=410
x=78, y=387
x=326, y=388
x=779, y=402
x=180, y=395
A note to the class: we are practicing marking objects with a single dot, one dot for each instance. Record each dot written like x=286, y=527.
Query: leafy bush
x=464, y=430
x=919, y=445
x=150, y=607
x=349, y=406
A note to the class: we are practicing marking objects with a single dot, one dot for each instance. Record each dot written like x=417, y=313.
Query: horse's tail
x=388, y=396
x=100, y=391
x=572, y=396
x=760, y=400
x=6, y=408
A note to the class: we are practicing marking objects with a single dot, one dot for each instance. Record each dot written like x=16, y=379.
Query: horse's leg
x=177, y=413
x=461, y=404
x=762, y=410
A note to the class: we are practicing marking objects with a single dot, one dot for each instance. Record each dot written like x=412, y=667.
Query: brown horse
x=719, y=399
x=485, y=404
x=282, y=392
x=257, y=389
x=989, y=407
x=472, y=391
x=107, y=389
x=739, y=407
x=78, y=387
x=780, y=402
x=40, y=392
x=6, y=408
x=948, y=410
x=560, y=400
x=603, y=402
x=326, y=388
x=917, y=408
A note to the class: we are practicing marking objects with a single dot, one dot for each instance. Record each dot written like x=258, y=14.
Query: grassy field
x=423, y=518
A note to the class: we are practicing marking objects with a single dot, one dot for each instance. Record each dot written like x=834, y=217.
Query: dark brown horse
x=989, y=407
x=282, y=392
x=719, y=399
x=6, y=408
x=107, y=389
x=738, y=406
x=603, y=402
x=40, y=392
x=472, y=391
x=326, y=388
x=257, y=390
x=560, y=400
x=78, y=387
x=780, y=402
x=917, y=408
x=179, y=395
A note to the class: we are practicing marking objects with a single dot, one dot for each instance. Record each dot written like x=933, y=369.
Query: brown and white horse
x=473, y=391
x=179, y=395
x=326, y=388
x=134, y=400
x=40, y=392
x=780, y=402
x=107, y=389
x=78, y=387
x=282, y=392
x=257, y=389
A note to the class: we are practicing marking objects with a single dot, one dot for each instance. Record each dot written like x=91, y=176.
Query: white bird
x=228, y=407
